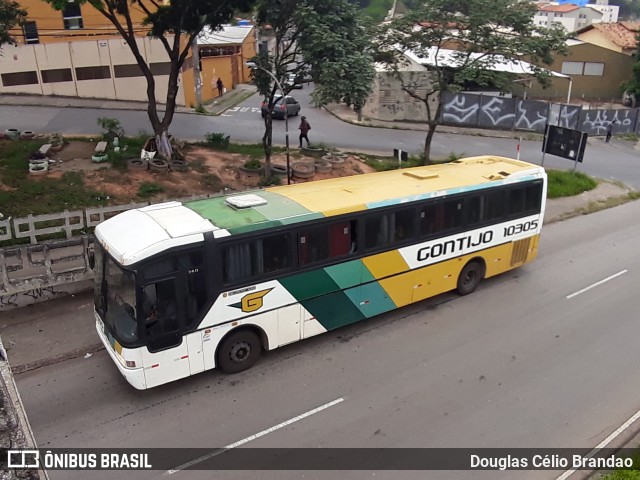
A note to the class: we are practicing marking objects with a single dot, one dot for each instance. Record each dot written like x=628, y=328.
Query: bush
x=112, y=127
x=149, y=189
x=253, y=164
x=218, y=140
x=272, y=180
x=212, y=181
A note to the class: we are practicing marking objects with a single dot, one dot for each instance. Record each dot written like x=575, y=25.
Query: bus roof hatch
x=245, y=201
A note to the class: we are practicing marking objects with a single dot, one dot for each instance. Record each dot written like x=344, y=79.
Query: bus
x=181, y=288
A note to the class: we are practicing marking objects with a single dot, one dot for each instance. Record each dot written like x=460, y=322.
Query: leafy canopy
x=181, y=19
x=11, y=15
x=322, y=40
x=481, y=34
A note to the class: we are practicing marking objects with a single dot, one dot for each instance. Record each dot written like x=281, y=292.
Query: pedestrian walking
x=609, y=132
x=304, y=130
x=220, y=86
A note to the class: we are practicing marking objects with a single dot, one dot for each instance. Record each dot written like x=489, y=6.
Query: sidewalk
x=212, y=107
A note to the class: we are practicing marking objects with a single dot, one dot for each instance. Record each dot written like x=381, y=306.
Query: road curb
x=91, y=349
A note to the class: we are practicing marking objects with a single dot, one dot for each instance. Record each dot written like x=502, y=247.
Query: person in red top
x=304, y=130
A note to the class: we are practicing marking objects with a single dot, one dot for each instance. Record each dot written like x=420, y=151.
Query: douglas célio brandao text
x=551, y=462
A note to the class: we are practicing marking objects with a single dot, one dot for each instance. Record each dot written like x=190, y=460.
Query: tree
x=11, y=15
x=182, y=19
x=481, y=33
x=632, y=86
x=320, y=38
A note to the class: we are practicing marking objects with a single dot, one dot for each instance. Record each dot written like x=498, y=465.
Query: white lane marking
x=605, y=442
x=253, y=437
x=596, y=284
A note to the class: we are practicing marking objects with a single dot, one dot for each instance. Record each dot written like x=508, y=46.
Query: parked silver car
x=292, y=106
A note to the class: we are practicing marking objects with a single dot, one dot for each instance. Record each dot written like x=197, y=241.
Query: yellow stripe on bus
x=423, y=283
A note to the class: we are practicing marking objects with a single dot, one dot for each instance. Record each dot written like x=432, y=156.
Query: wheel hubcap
x=240, y=352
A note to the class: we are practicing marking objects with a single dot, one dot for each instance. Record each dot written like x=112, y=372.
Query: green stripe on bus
x=283, y=209
x=333, y=310
x=371, y=299
x=309, y=284
x=223, y=216
x=350, y=274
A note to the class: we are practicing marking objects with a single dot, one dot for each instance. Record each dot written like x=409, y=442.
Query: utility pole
x=197, y=75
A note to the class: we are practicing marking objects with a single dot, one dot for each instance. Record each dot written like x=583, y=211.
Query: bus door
x=166, y=356
x=172, y=305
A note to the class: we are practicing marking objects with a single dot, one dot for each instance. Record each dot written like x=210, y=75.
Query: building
x=574, y=17
x=599, y=60
x=78, y=52
x=223, y=54
x=44, y=24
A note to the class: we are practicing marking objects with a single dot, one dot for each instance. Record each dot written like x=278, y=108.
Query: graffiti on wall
x=497, y=112
x=460, y=109
x=596, y=122
x=29, y=296
x=486, y=111
x=531, y=115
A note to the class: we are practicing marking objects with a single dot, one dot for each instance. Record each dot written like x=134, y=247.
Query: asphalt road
x=516, y=364
x=619, y=160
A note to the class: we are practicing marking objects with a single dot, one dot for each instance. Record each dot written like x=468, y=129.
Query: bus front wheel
x=239, y=351
x=470, y=277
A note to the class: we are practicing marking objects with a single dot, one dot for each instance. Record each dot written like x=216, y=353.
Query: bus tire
x=470, y=277
x=239, y=351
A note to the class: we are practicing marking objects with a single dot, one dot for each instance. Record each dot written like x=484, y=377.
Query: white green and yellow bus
x=181, y=288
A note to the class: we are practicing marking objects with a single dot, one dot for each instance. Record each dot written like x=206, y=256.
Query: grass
x=626, y=474
x=567, y=184
x=27, y=194
x=382, y=164
x=149, y=189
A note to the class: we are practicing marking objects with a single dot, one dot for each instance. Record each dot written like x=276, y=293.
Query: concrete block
x=101, y=147
x=44, y=149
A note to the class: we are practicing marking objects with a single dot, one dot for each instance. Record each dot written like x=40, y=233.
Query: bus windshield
x=115, y=298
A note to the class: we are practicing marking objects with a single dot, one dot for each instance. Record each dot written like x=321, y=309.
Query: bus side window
x=404, y=224
x=160, y=313
x=431, y=219
x=495, y=205
x=533, y=195
x=275, y=253
x=475, y=207
x=236, y=263
x=313, y=245
x=340, y=239
x=516, y=203
x=453, y=214
x=192, y=264
x=377, y=231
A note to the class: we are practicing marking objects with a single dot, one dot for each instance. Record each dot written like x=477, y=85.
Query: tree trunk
x=267, y=142
x=359, y=112
x=427, y=143
x=164, y=145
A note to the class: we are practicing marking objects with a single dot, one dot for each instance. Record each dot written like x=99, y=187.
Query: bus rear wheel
x=239, y=351
x=470, y=277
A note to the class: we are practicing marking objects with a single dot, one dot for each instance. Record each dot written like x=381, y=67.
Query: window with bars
x=30, y=30
x=72, y=17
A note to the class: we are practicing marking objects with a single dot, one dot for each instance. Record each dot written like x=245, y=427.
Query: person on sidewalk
x=304, y=130
x=220, y=87
x=609, y=131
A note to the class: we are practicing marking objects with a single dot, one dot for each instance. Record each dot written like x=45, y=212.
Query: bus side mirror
x=91, y=258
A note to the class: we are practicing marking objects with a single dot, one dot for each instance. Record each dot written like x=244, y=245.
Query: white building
x=573, y=17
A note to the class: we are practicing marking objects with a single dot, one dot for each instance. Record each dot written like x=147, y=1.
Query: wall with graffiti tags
x=486, y=111
x=35, y=273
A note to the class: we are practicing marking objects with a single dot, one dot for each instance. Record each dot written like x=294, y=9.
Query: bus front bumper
x=135, y=376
